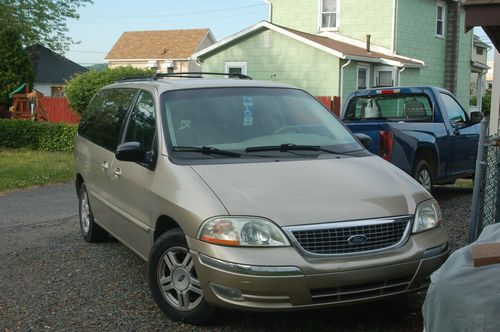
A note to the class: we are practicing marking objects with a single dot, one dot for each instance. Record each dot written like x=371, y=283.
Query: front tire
x=173, y=280
x=91, y=232
x=423, y=175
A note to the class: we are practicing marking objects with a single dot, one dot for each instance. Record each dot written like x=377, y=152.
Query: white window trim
x=367, y=67
x=443, y=19
x=320, y=17
x=384, y=68
x=236, y=64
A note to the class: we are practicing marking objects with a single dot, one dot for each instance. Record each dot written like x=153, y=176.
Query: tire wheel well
x=164, y=224
x=78, y=184
x=430, y=157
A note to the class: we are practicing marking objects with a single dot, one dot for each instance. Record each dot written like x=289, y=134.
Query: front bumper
x=272, y=279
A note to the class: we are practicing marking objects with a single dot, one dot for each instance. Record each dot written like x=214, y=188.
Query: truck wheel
x=91, y=231
x=173, y=280
x=423, y=175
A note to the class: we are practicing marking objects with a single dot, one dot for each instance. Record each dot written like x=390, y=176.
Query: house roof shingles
x=348, y=49
x=156, y=45
x=50, y=67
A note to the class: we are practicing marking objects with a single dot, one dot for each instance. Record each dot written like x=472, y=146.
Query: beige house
x=166, y=50
x=479, y=67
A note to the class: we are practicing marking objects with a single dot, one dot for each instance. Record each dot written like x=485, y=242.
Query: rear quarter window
x=102, y=123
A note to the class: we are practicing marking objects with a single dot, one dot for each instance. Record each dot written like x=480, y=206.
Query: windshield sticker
x=185, y=124
x=248, y=113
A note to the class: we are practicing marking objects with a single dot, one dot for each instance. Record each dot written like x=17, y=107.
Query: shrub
x=81, y=88
x=486, y=102
x=45, y=136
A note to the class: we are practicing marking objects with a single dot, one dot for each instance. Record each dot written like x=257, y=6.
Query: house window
x=236, y=68
x=329, y=14
x=440, y=15
x=363, y=77
x=479, y=50
x=170, y=70
x=384, y=76
x=57, y=91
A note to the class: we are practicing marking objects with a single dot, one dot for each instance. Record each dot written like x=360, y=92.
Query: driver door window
x=456, y=114
x=142, y=125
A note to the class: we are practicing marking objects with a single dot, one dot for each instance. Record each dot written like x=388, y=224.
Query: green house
x=333, y=47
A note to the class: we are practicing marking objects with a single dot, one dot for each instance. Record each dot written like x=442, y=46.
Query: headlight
x=242, y=231
x=427, y=215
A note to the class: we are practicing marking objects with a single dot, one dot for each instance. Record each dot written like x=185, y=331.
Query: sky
x=101, y=23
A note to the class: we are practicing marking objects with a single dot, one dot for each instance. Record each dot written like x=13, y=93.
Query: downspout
x=269, y=10
x=399, y=75
x=342, y=81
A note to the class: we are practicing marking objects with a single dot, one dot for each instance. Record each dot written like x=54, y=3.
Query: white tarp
x=462, y=297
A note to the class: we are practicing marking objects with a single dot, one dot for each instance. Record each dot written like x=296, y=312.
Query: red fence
x=58, y=110
x=332, y=103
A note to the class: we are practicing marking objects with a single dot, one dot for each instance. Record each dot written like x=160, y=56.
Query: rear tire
x=173, y=280
x=423, y=174
x=91, y=232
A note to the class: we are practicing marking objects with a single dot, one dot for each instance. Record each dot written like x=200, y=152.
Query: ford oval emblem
x=357, y=239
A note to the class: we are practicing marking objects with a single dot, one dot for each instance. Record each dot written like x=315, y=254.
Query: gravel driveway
x=50, y=279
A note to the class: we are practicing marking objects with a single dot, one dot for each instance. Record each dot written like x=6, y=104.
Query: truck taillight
x=386, y=144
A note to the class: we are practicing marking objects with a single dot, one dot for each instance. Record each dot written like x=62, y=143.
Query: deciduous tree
x=41, y=21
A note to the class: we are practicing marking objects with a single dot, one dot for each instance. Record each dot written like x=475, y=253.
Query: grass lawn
x=21, y=168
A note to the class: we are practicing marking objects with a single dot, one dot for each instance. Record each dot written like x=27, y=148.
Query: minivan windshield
x=235, y=122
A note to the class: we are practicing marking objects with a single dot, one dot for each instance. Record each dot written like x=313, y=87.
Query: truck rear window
x=391, y=107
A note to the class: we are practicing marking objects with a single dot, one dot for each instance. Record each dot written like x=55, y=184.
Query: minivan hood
x=297, y=192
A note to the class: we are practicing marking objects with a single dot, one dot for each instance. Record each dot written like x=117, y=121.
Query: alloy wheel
x=177, y=279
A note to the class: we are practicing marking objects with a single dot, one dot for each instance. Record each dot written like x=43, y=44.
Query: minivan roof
x=197, y=83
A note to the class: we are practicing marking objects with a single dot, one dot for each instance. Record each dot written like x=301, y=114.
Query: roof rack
x=200, y=75
x=137, y=78
x=181, y=75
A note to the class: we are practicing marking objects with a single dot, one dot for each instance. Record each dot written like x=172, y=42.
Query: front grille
x=360, y=292
x=351, y=237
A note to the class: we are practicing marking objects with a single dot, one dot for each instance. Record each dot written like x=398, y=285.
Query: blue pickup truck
x=422, y=130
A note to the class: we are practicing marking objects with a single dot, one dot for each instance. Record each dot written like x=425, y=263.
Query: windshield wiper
x=290, y=147
x=206, y=150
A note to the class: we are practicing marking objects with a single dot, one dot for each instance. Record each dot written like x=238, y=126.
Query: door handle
x=117, y=172
x=104, y=166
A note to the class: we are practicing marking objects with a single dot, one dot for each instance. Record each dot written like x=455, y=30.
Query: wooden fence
x=58, y=110
x=332, y=103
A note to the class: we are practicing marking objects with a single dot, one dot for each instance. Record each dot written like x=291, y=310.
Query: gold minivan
x=249, y=195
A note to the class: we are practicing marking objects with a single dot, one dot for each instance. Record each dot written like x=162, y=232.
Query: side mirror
x=365, y=140
x=130, y=151
x=476, y=117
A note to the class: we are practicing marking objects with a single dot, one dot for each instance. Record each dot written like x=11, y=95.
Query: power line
x=167, y=14
x=83, y=51
x=166, y=20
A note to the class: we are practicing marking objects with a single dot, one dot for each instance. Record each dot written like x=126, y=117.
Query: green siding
x=300, y=15
x=361, y=17
x=410, y=77
x=416, y=30
x=357, y=18
x=285, y=60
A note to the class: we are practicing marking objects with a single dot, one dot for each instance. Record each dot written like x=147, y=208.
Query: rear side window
x=393, y=107
x=104, y=118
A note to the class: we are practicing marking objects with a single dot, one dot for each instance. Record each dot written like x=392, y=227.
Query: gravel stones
x=50, y=279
